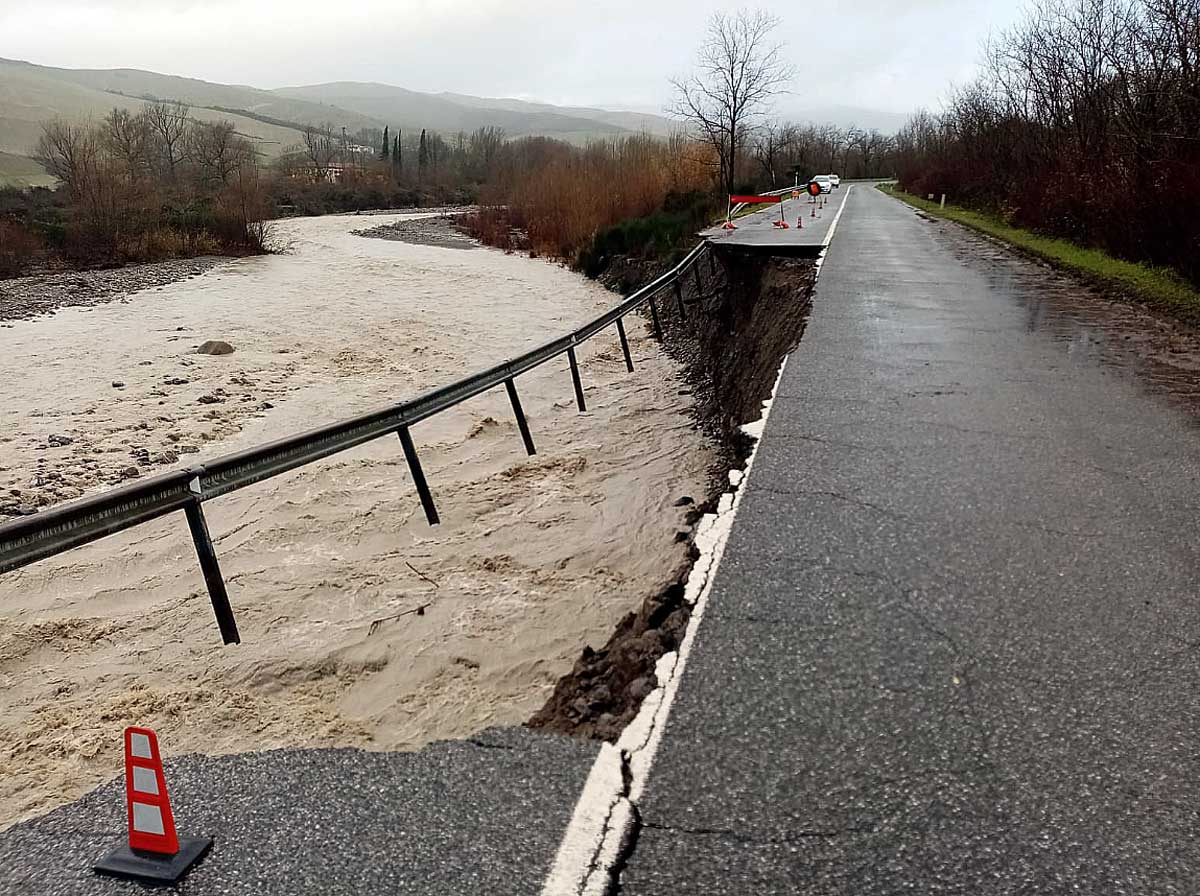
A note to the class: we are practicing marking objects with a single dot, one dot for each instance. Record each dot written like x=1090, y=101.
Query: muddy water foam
x=535, y=557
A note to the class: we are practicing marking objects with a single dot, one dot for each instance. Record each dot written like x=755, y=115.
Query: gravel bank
x=24, y=298
x=440, y=232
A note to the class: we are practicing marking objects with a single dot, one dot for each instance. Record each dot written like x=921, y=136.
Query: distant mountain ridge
x=32, y=94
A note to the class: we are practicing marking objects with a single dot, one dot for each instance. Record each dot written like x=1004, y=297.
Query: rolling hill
x=450, y=113
x=31, y=95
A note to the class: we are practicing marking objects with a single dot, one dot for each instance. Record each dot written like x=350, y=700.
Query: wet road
x=809, y=224
x=951, y=647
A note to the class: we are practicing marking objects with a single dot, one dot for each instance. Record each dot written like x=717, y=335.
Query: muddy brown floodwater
x=326, y=565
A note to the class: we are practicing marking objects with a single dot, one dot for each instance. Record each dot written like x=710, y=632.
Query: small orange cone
x=155, y=852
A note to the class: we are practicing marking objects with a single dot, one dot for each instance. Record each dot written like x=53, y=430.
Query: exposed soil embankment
x=743, y=315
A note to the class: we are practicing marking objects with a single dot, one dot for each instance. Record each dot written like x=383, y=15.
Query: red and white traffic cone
x=154, y=852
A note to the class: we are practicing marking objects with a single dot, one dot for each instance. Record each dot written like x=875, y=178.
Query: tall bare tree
x=69, y=152
x=217, y=151
x=127, y=139
x=168, y=124
x=739, y=71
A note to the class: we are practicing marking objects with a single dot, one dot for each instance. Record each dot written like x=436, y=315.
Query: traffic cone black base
x=141, y=865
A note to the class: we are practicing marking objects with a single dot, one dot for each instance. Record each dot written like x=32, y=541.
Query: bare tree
x=217, y=151
x=738, y=73
x=68, y=152
x=127, y=139
x=770, y=146
x=320, y=149
x=484, y=147
x=168, y=127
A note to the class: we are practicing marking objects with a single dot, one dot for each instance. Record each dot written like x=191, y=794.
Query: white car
x=836, y=180
x=824, y=182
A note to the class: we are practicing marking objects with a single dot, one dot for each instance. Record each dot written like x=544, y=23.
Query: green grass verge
x=1160, y=287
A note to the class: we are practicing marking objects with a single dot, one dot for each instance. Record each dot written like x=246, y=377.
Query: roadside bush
x=654, y=236
x=567, y=198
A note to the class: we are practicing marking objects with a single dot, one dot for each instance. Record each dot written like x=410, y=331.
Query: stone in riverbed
x=215, y=347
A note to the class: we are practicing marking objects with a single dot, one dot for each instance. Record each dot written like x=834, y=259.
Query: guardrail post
x=576, y=380
x=418, y=475
x=212, y=573
x=679, y=300
x=521, y=423
x=654, y=318
x=624, y=345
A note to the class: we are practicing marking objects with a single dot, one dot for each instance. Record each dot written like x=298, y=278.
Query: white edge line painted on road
x=837, y=217
x=604, y=815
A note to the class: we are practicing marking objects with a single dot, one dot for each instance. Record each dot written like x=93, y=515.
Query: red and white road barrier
x=154, y=851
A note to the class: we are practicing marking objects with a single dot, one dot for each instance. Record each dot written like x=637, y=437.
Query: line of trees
x=1085, y=124
x=153, y=184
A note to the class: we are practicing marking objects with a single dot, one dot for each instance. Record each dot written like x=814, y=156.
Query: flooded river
x=328, y=565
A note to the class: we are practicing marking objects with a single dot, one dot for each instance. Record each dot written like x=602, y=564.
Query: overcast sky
x=891, y=55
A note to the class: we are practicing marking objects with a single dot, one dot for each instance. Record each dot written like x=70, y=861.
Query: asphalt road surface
x=757, y=231
x=952, y=646
x=481, y=816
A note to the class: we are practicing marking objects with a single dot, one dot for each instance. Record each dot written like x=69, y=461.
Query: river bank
x=326, y=566
x=23, y=298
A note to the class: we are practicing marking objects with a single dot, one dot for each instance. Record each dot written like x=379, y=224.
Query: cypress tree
x=386, y=144
x=397, y=167
x=422, y=156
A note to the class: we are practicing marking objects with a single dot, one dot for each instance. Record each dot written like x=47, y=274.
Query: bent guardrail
x=28, y=539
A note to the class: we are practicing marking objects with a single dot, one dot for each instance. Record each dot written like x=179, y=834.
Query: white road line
x=605, y=813
x=837, y=217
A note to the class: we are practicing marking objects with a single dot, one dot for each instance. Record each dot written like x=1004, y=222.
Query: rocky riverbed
x=435, y=231
x=22, y=298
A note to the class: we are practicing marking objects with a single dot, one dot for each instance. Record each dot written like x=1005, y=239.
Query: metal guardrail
x=28, y=539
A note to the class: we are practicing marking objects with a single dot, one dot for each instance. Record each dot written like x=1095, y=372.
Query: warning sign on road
x=795, y=194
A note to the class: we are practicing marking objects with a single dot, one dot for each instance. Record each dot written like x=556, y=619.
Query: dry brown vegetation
x=143, y=187
x=555, y=199
x=1085, y=125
